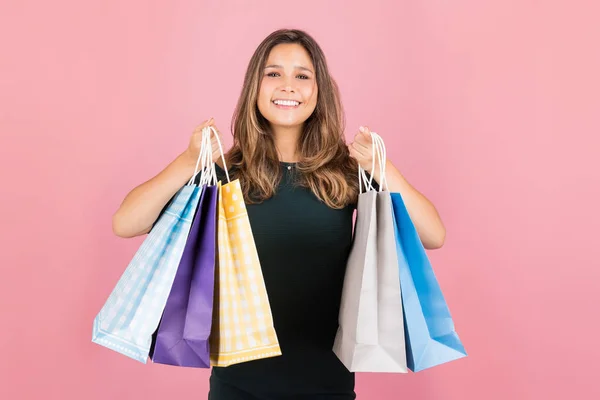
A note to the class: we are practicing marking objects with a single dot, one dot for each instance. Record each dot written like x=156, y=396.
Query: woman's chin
x=286, y=123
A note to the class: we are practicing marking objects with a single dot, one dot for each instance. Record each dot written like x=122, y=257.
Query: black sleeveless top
x=303, y=246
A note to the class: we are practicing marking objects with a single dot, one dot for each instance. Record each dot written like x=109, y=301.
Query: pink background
x=488, y=107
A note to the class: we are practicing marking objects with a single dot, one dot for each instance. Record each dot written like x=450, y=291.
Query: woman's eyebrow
x=297, y=67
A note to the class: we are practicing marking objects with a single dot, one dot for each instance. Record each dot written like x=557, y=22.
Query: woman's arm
x=422, y=212
x=142, y=206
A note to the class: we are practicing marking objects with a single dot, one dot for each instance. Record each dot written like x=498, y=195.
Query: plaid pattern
x=133, y=310
x=242, y=319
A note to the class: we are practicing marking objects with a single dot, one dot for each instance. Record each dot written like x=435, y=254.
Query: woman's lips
x=286, y=104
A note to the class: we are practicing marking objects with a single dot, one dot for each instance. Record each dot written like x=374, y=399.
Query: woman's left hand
x=361, y=149
x=427, y=221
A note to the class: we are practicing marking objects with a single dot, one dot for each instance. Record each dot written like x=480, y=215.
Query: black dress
x=302, y=246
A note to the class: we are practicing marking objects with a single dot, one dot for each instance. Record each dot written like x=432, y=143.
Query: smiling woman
x=290, y=111
x=299, y=181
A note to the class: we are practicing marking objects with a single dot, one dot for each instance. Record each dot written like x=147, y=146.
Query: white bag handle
x=200, y=158
x=379, y=150
x=382, y=156
x=205, y=161
x=207, y=164
x=222, y=155
x=362, y=177
x=201, y=161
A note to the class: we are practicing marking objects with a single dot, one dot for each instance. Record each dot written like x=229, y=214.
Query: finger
x=364, y=135
x=208, y=122
x=199, y=128
x=356, y=156
x=362, y=139
x=204, y=124
x=362, y=148
x=216, y=138
x=215, y=131
x=364, y=157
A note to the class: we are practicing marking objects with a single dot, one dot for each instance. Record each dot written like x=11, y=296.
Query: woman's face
x=288, y=91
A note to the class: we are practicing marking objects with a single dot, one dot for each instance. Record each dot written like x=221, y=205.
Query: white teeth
x=289, y=103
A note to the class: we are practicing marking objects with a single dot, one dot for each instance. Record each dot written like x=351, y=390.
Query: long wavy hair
x=325, y=166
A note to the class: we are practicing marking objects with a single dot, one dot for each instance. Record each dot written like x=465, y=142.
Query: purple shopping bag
x=183, y=334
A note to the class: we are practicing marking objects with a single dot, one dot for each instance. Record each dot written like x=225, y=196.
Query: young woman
x=300, y=184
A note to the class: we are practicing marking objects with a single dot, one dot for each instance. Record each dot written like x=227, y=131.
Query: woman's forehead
x=284, y=55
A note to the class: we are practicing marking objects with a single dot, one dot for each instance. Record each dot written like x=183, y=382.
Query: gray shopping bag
x=370, y=336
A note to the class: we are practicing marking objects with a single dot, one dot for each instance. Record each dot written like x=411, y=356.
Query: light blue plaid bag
x=133, y=310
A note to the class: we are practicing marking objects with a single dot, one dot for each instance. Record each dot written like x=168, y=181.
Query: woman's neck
x=286, y=142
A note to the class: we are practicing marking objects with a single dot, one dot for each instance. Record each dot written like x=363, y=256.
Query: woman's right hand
x=195, y=145
x=144, y=204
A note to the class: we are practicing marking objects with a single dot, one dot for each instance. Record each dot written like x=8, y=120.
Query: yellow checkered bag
x=243, y=327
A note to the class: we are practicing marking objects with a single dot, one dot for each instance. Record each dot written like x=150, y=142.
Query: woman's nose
x=288, y=89
x=287, y=85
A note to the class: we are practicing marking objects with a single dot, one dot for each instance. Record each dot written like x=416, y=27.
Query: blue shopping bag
x=134, y=308
x=430, y=336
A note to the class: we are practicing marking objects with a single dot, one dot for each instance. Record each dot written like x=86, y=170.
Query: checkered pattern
x=242, y=317
x=133, y=310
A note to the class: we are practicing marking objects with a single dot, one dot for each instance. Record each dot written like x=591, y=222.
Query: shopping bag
x=183, y=334
x=431, y=337
x=133, y=309
x=131, y=313
x=243, y=327
x=370, y=336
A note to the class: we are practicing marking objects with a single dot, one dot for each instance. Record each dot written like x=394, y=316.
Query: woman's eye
x=276, y=74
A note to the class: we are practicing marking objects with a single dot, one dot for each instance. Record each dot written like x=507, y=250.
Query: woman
x=300, y=185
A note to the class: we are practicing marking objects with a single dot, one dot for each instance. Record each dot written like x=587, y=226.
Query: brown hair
x=325, y=165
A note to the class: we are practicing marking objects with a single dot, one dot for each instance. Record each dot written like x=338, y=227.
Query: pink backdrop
x=489, y=107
